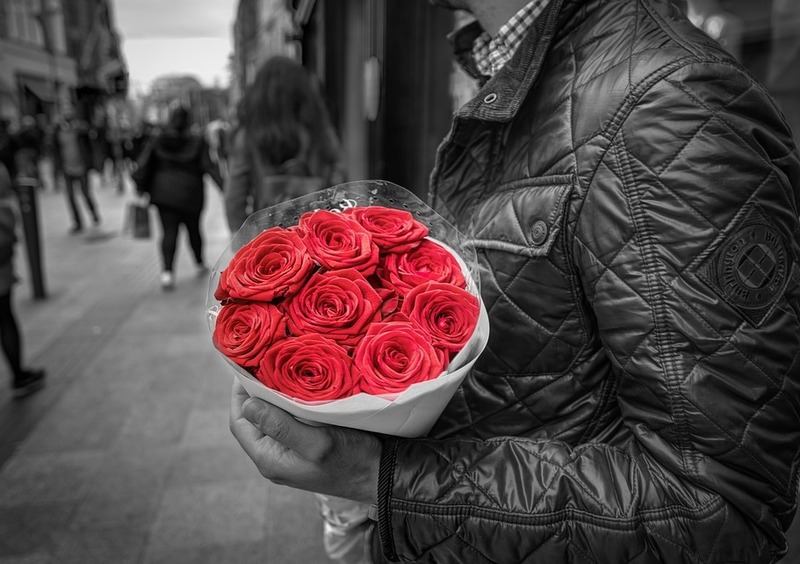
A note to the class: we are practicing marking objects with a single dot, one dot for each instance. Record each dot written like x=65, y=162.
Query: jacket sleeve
x=239, y=185
x=686, y=250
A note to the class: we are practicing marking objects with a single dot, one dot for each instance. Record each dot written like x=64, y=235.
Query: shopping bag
x=137, y=219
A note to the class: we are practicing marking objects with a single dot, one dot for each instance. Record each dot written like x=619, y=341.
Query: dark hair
x=282, y=112
x=179, y=119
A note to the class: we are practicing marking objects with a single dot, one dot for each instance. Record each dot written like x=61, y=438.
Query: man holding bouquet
x=633, y=196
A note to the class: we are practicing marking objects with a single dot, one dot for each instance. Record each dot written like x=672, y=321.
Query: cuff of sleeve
x=385, y=484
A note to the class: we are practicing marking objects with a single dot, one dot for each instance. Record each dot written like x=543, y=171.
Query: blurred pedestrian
x=216, y=134
x=284, y=145
x=25, y=380
x=7, y=148
x=116, y=157
x=28, y=142
x=53, y=156
x=74, y=154
x=141, y=136
x=171, y=171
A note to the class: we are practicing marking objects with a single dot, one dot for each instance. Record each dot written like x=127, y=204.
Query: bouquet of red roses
x=353, y=306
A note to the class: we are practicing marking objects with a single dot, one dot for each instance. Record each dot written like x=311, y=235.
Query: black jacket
x=171, y=171
x=633, y=194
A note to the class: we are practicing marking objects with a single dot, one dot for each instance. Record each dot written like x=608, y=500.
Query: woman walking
x=171, y=172
x=284, y=145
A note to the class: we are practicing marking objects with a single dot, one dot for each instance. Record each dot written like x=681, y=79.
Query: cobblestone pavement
x=125, y=456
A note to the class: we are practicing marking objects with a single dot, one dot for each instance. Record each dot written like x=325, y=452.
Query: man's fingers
x=305, y=440
x=245, y=432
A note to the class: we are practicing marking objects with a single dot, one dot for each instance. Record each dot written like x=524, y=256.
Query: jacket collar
x=500, y=96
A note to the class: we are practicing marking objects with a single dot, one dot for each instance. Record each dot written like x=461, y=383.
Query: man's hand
x=330, y=460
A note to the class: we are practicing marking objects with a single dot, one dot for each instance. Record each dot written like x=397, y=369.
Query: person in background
x=171, y=172
x=216, y=133
x=7, y=148
x=74, y=155
x=139, y=139
x=56, y=169
x=633, y=195
x=284, y=145
x=25, y=381
x=28, y=140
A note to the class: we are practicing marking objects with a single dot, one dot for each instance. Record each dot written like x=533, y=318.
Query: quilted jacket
x=633, y=196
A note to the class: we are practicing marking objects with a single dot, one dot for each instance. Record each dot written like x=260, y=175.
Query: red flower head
x=428, y=262
x=393, y=230
x=310, y=368
x=337, y=304
x=338, y=242
x=447, y=313
x=273, y=265
x=244, y=331
x=394, y=355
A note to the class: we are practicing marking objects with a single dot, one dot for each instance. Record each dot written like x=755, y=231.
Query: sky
x=175, y=37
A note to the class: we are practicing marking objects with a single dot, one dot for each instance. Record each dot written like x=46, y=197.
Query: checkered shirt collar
x=491, y=53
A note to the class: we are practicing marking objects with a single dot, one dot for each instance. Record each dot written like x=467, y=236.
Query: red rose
x=274, y=264
x=393, y=230
x=243, y=331
x=428, y=262
x=310, y=368
x=394, y=355
x=446, y=313
x=337, y=242
x=337, y=304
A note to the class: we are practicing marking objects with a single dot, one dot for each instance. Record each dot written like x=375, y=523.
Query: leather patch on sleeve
x=750, y=268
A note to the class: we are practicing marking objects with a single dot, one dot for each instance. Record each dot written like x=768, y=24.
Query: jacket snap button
x=490, y=98
x=538, y=232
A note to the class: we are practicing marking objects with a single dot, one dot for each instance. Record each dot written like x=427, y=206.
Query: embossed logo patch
x=750, y=268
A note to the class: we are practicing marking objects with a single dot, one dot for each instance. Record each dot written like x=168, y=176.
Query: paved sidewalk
x=126, y=456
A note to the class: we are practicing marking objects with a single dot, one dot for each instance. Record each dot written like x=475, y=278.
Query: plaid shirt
x=491, y=53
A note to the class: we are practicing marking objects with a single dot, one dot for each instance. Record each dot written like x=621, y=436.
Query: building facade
x=58, y=56
x=93, y=42
x=37, y=73
x=262, y=28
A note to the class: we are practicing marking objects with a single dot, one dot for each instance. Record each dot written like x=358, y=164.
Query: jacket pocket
x=523, y=217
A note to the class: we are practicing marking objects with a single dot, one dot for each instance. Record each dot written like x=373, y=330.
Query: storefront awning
x=40, y=90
